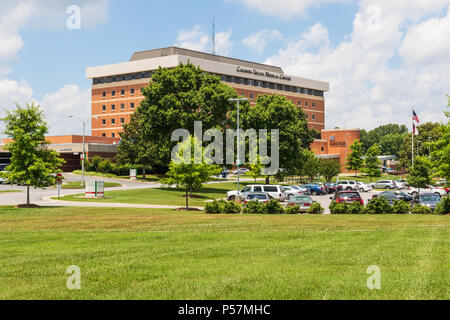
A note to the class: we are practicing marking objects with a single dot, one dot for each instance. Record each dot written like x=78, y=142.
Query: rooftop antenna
x=214, y=36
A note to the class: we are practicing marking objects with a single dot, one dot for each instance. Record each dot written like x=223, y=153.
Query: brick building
x=116, y=88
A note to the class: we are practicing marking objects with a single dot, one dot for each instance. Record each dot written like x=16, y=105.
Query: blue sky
x=380, y=57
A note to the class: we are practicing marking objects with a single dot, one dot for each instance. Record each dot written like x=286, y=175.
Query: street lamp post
x=84, y=149
x=238, y=144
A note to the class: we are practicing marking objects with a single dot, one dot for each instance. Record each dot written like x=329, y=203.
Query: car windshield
x=349, y=195
x=430, y=198
x=257, y=196
x=302, y=199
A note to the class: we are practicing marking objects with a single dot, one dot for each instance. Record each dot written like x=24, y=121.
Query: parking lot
x=325, y=200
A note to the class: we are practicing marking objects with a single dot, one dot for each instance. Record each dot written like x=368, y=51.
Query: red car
x=348, y=197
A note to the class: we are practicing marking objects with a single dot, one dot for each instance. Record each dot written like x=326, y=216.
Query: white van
x=348, y=185
x=274, y=191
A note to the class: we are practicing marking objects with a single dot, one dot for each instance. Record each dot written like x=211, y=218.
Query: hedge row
x=255, y=207
x=379, y=205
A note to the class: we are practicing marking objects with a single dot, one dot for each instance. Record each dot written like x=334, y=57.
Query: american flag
x=416, y=123
x=415, y=117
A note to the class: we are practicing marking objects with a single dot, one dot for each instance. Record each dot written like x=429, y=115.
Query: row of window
x=122, y=107
x=113, y=135
x=299, y=102
x=271, y=85
x=122, y=92
x=124, y=77
x=113, y=121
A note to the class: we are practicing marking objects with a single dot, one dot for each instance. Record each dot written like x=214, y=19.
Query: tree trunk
x=28, y=195
x=267, y=180
x=187, y=198
x=143, y=172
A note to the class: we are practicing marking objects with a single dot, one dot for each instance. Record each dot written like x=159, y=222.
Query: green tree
x=278, y=112
x=420, y=174
x=441, y=153
x=372, y=163
x=329, y=169
x=176, y=98
x=256, y=168
x=354, y=160
x=32, y=163
x=188, y=174
x=376, y=135
x=133, y=148
x=311, y=167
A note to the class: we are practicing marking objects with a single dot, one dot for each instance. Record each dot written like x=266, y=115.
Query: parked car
x=348, y=185
x=291, y=191
x=429, y=189
x=304, y=202
x=385, y=184
x=392, y=196
x=333, y=187
x=427, y=199
x=401, y=184
x=315, y=189
x=241, y=171
x=364, y=187
x=257, y=196
x=348, y=197
x=274, y=191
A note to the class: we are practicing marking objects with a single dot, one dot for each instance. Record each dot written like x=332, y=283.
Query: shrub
x=338, y=208
x=378, y=205
x=400, y=207
x=419, y=209
x=292, y=209
x=443, y=207
x=105, y=166
x=93, y=164
x=215, y=207
x=254, y=207
x=273, y=207
x=356, y=208
x=231, y=207
x=315, y=208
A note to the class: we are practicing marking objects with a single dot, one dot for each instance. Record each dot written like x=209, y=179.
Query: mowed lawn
x=164, y=196
x=163, y=254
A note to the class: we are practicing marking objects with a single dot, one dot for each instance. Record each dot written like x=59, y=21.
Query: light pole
x=84, y=148
x=429, y=147
x=238, y=197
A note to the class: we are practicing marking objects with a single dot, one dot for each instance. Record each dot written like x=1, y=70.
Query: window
x=251, y=96
x=279, y=86
x=122, y=107
x=264, y=84
x=133, y=76
x=313, y=117
x=113, y=107
x=313, y=105
x=142, y=90
x=132, y=92
x=103, y=108
x=245, y=81
x=271, y=85
x=104, y=122
x=113, y=135
x=270, y=189
x=123, y=92
x=103, y=134
x=114, y=79
x=299, y=102
x=306, y=103
x=113, y=93
x=113, y=121
x=104, y=94
x=257, y=189
x=124, y=78
x=132, y=105
x=322, y=149
x=122, y=120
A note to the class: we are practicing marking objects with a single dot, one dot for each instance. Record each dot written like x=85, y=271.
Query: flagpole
x=412, y=137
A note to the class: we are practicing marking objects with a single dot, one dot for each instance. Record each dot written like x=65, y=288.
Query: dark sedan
x=392, y=196
x=332, y=187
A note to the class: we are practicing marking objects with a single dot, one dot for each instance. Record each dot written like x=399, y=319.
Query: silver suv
x=385, y=184
x=348, y=185
x=274, y=191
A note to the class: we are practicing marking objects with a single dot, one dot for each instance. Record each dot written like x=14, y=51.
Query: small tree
x=187, y=174
x=256, y=168
x=354, y=160
x=420, y=174
x=372, y=162
x=329, y=169
x=32, y=163
x=311, y=168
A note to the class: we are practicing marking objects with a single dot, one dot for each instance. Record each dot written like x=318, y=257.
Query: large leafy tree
x=372, y=163
x=133, y=148
x=188, y=174
x=311, y=167
x=354, y=160
x=388, y=145
x=441, y=154
x=32, y=163
x=420, y=174
x=277, y=112
x=329, y=169
x=175, y=99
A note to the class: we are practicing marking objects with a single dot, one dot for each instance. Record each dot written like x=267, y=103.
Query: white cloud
x=366, y=91
x=258, y=41
x=197, y=39
x=285, y=9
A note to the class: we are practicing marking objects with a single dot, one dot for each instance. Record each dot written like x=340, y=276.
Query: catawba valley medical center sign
x=263, y=73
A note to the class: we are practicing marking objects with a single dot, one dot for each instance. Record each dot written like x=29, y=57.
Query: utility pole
x=83, y=156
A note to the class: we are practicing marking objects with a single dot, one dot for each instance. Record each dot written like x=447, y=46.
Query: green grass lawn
x=77, y=185
x=163, y=254
x=9, y=191
x=164, y=196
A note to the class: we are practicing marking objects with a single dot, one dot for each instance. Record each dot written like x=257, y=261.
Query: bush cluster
x=378, y=205
x=421, y=210
x=255, y=207
x=443, y=207
x=98, y=164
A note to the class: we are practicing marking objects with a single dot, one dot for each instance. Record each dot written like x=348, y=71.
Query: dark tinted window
x=349, y=195
x=270, y=189
x=257, y=196
x=257, y=189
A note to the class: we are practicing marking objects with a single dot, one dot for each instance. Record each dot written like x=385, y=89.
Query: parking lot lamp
x=84, y=149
